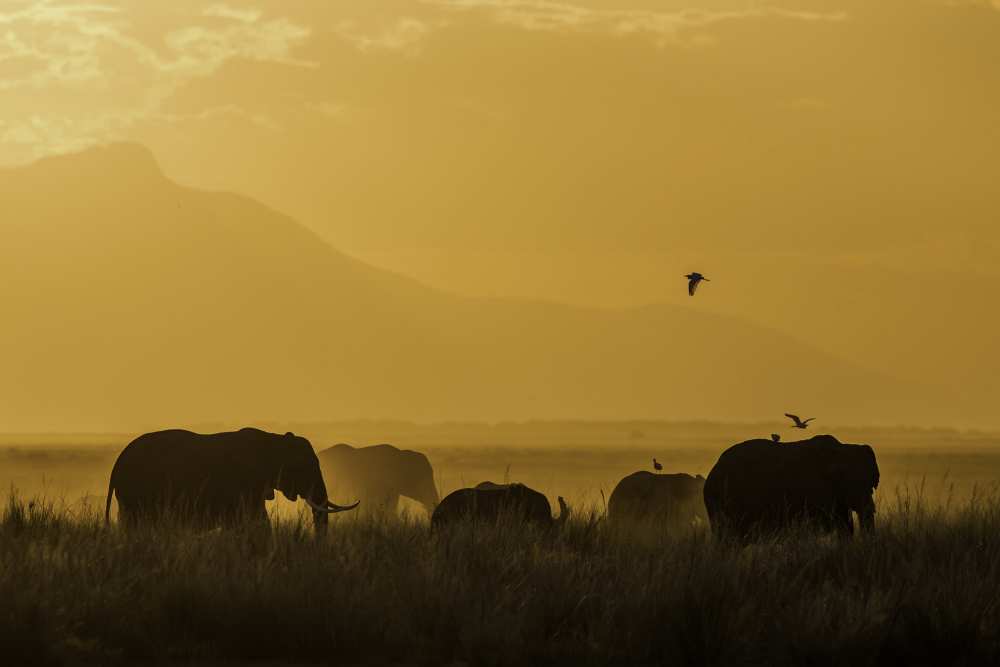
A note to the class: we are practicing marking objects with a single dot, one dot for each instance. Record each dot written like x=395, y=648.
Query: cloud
x=995, y=4
x=59, y=54
x=41, y=134
x=76, y=43
x=330, y=109
x=56, y=43
x=544, y=15
x=231, y=111
x=200, y=50
x=226, y=12
x=404, y=34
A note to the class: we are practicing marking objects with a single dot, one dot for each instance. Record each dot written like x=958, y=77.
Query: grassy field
x=925, y=589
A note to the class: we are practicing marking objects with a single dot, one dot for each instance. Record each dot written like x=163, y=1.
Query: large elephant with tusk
x=759, y=487
x=215, y=478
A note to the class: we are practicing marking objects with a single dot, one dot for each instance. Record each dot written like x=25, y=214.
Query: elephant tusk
x=341, y=508
x=330, y=508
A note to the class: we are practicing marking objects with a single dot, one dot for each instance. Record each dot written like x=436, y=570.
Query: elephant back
x=675, y=498
x=350, y=459
x=491, y=503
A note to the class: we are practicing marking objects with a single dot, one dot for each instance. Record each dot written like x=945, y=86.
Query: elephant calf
x=671, y=501
x=489, y=502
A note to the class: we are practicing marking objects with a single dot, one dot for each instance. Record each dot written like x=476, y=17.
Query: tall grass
x=923, y=590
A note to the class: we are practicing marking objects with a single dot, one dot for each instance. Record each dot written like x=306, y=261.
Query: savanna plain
x=923, y=589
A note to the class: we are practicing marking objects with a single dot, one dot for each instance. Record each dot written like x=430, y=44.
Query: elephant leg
x=736, y=532
x=228, y=511
x=141, y=511
x=390, y=501
x=836, y=519
x=379, y=501
x=249, y=510
x=845, y=522
x=128, y=517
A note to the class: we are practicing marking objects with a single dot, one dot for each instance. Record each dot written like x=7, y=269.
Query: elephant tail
x=111, y=493
x=564, y=512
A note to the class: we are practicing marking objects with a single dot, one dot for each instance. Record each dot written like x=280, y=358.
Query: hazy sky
x=554, y=144
x=832, y=164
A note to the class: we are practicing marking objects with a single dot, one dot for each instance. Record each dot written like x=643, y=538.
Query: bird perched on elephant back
x=759, y=487
x=672, y=501
x=213, y=478
x=379, y=475
x=489, y=502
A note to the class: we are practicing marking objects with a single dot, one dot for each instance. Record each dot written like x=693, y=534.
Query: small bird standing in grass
x=799, y=423
x=693, y=279
x=656, y=465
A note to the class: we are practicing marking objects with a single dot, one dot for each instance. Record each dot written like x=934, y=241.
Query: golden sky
x=833, y=165
x=517, y=131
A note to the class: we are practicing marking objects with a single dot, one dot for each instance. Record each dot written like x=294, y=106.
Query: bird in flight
x=775, y=437
x=693, y=279
x=657, y=466
x=799, y=423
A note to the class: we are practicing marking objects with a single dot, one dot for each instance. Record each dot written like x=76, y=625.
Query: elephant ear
x=870, y=457
x=253, y=478
x=259, y=467
x=861, y=469
x=838, y=471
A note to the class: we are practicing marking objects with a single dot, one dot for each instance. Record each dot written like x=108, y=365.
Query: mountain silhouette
x=132, y=302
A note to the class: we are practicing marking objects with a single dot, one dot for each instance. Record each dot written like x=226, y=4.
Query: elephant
x=673, y=501
x=215, y=478
x=489, y=502
x=380, y=474
x=758, y=487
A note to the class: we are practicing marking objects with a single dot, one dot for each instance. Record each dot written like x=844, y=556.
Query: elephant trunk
x=320, y=522
x=317, y=501
x=321, y=506
x=429, y=498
